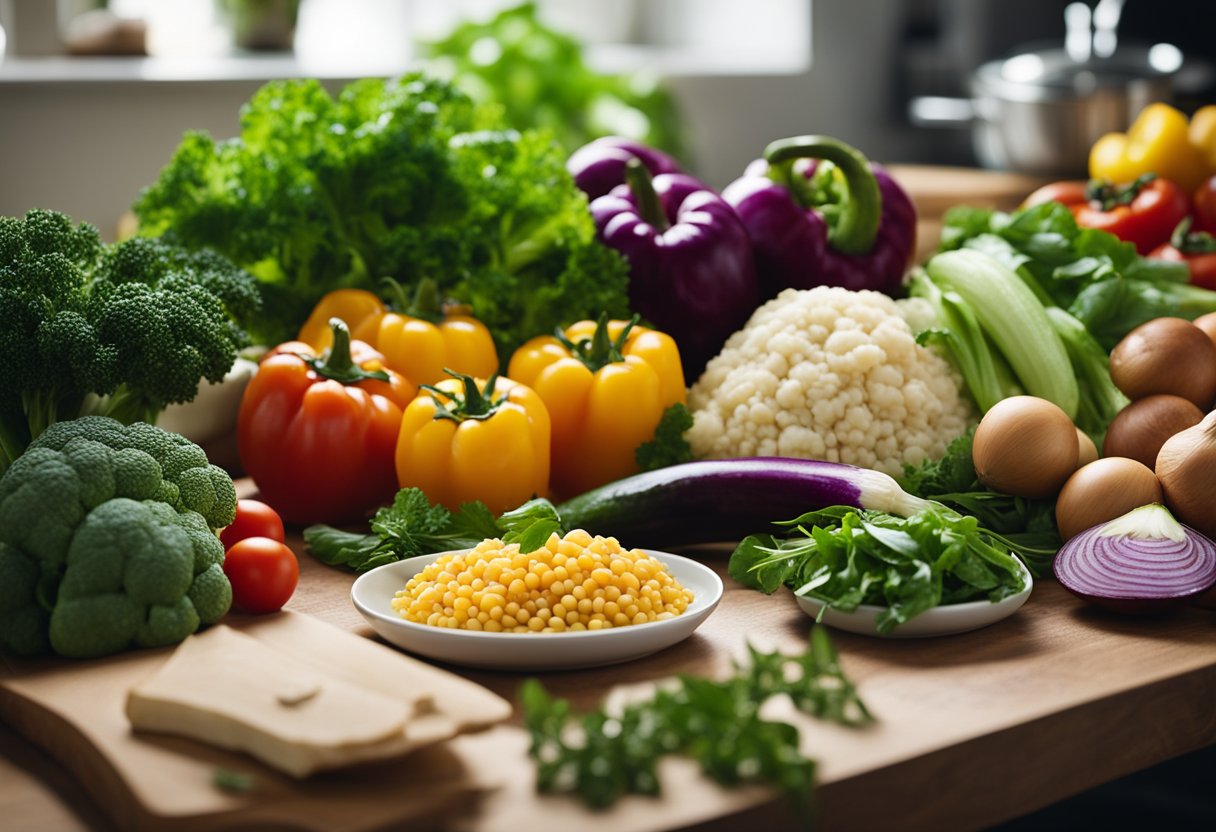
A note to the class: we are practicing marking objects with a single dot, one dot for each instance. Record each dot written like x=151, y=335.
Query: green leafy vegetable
x=540, y=79
x=669, y=447
x=1099, y=279
x=139, y=325
x=403, y=178
x=718, y=724
x=847, y=557
x=411, y=526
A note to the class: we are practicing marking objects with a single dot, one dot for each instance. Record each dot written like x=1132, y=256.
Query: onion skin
x=1186, y=468
x=1136, y=575
x=1025, y=446
x=1103, y=490
x=1208, y=324
x=1087, y=451
x=1139, y=430
x=1166, y=355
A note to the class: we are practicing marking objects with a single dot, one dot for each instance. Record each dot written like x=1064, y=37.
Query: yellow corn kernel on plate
x=374, y=591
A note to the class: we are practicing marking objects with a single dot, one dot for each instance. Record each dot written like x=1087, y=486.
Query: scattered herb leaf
x=233, y=782
x=602, y=756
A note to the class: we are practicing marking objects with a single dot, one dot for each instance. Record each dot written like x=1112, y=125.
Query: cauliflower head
x=828, y=374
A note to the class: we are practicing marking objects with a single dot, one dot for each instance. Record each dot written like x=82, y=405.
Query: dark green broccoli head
x=196, y=484
x=138, y=325
x=86, y=533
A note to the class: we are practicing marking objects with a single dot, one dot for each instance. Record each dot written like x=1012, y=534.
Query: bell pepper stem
x=599, y=350
x=476, y=403
x=860, y=213
x=641, y=185
x=426, y=304
x=337, y=364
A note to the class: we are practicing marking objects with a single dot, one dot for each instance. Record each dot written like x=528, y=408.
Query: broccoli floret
x=91, y=560
x=137, y=325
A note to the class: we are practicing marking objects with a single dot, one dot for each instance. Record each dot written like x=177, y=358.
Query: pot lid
x=1052, y=74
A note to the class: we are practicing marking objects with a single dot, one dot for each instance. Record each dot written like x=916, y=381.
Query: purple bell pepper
x=692, y=272
x=845, y=224
x=599, y=167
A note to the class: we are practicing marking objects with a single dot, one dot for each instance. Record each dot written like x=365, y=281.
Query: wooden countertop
x=1055, y=700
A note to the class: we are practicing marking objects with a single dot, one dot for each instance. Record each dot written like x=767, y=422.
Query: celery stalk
x=1008, y=312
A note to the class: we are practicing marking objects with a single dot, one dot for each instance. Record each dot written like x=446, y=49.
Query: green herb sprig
x=716, y=723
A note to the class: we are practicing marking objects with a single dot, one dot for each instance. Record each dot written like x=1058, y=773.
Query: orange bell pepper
x=354, y=306
x=606, y=385
x=466, y=440
x=317, y=434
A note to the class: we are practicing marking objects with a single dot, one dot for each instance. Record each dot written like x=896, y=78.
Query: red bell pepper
x=1145, y=213
x=318, y=434
x=1196, y=248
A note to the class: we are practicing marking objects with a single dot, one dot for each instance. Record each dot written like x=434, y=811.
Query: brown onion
x=1140, y=429
x=1025, y=446
x=1186, y=468
x=1166, y=355
x=1087, y=451
x=1208, y=324
x=1104, y=490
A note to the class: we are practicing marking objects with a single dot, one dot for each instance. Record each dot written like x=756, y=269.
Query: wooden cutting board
x=74, y=711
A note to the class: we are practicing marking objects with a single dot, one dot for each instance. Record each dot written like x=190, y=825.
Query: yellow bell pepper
x=419, y=343
x=1203, y=134
x=465, y=440
x=352, y=306
x=1157, y=142
x=606, y=385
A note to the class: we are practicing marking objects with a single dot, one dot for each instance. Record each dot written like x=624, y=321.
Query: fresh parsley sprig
x=601, y=756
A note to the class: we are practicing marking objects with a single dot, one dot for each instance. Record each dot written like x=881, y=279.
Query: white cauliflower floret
x=828, y=374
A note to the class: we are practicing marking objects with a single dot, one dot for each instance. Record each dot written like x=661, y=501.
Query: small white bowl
x=944, y=620
x=373, y=594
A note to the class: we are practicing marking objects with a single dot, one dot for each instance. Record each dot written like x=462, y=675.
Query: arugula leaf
x=849, y=557
x=669, y=447
x=602, y=756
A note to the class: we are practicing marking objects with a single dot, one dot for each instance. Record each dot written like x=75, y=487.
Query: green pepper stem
x=860, y=213
x=477, y=403
x=641, y=185
x=1192, y=242
x=337, y=364
x=599, y=350
x=426, y=304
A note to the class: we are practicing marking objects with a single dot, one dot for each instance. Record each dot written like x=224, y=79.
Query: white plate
x=939, y=621
x=373, y=594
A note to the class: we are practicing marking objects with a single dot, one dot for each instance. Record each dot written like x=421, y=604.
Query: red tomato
x=1202, y=266
x=1069, y=193
x=253, y=519
x=263, y=574
x=1148, y=220
x=1204, y=210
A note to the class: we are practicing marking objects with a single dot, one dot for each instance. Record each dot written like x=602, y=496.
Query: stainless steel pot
x=1040, y=112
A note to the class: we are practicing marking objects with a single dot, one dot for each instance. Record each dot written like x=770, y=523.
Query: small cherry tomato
x=253, y=519
x=1204, y=210
x=263, y=574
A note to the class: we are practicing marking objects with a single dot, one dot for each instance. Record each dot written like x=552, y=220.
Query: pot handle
x=940, y=111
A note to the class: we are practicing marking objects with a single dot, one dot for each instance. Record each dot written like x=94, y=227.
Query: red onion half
x=1141, y=561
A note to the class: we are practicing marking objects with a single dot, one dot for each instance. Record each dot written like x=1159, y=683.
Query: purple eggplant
x=847, y=223
x=691, y=269
x=599, y=167
x=728, y=499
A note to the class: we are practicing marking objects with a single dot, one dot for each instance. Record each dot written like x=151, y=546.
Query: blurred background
x=94, y=96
